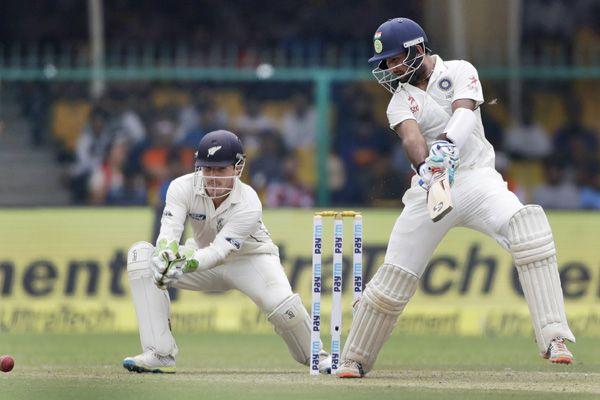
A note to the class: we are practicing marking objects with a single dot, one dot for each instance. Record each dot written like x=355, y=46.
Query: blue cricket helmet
x=219, y=149
x=396, y=36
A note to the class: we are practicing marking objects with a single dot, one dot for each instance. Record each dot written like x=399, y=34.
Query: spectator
x=289, y=191
x=251, y=123
x=574, y=144
x=590, y=192
x=266, y=166
x=131, y=125
x=111, y=185
x=527, y=139
x=155, y=158
x=208, y=118
x=92, y=147
x=556, y=192
x=299, y=124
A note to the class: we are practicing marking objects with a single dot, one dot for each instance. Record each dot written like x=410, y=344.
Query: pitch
x=235, y=366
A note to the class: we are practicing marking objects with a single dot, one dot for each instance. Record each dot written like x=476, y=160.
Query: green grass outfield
x=232, y=366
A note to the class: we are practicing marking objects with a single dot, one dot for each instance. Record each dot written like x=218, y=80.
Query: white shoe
x=324, y=362
x=558, y=353
x=149, y=361
x=350, y=369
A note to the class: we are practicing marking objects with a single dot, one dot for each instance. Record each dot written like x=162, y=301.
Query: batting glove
x=449, y=152
x=426, y=169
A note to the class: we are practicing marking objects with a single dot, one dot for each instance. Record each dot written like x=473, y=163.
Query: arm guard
x=461, y=126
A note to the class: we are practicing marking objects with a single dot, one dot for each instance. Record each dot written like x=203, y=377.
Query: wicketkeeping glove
x=170, y=261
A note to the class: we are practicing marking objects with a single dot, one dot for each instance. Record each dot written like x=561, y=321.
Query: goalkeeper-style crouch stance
x=435, y=111
x=230, y=249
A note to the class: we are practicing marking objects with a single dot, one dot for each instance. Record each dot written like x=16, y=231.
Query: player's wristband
x=418, y=168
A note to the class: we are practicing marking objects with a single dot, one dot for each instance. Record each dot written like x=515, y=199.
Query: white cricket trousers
x=481, y=202
x=261, y=277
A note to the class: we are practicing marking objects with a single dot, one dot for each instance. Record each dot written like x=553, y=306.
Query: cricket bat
x=439, y=202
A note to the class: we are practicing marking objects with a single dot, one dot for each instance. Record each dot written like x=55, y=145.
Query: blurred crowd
x=125, y=148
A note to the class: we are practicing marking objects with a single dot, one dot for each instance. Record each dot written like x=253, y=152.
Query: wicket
x=336, y=287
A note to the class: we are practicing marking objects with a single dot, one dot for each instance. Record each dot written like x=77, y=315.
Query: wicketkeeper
x=230, y=249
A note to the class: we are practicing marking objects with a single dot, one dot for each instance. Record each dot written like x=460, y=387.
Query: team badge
x=445, y=84
x=213, y=150
x=378, y=46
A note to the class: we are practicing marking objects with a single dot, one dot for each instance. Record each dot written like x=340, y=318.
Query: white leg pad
x=532, y=246
x=382, y=302
x=292, y=322
x=152, y=305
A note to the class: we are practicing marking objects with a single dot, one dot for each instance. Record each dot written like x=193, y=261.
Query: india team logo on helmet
x=377, y=43
x=396, y=37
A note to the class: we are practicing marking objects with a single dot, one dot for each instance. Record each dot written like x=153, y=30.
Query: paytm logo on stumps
x=337, y=277
x=317, y=282
x=316, y=321
x=358, y=278
x=358, y=239
x=318, y=245
x=316, y=347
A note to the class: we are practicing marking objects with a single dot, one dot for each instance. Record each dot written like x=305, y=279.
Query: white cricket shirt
x=450, y=81
x=236, y=226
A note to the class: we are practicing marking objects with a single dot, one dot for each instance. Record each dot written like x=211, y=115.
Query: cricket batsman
x=231, y=249
x=435, y=111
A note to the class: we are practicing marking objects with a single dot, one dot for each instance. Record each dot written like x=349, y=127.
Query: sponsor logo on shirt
x=412, y=103
x=219, y=224
x=473, y=82
x=167, y=213
x=235, y=243
x=197, y=217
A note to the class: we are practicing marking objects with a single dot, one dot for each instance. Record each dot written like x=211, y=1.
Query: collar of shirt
x=439, y=68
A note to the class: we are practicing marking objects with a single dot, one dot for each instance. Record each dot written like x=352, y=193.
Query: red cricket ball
x=6, y=363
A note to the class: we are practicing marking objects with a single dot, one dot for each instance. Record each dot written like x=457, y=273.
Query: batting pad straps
x=530, y=235
x=377, y=312
x=460, y=126
x=292, y=322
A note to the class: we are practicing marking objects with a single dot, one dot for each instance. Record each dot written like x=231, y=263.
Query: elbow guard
x=461, y=126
